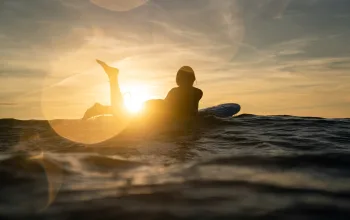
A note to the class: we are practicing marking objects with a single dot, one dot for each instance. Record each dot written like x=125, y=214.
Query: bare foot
x=97, y=110
x=111, y=71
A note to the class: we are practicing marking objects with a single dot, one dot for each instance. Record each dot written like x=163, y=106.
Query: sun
x=134, y=97
x=133, y=105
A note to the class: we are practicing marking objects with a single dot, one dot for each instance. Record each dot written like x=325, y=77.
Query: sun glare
x=134, y=97
x=133, y=105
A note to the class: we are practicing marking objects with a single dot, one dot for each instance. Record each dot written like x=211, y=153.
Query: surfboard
x=222, y=111
x=226, y=110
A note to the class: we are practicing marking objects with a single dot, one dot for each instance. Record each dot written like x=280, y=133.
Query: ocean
x=247, y=167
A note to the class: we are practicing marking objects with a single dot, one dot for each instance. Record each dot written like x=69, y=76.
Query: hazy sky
x=271, y=56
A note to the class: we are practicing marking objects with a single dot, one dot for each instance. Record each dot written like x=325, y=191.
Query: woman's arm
x=170, y=96
x=200, y=95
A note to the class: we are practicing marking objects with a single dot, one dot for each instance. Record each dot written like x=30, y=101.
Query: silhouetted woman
x=181, y=103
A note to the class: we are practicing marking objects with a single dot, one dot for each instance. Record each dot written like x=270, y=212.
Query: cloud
x=35, y=22
x=319, y=67
x=260, y=48
x=15, y=72
x=327, y=46
x=7, y=104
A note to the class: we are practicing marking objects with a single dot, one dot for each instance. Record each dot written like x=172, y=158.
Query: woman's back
x=183, y=101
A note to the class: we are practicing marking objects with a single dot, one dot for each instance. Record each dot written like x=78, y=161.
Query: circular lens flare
x=119, y=5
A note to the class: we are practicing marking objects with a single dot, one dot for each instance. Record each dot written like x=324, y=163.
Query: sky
x=273, y=57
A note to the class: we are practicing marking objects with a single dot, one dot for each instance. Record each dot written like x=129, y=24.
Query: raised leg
x=117, y=102
x=116, y=97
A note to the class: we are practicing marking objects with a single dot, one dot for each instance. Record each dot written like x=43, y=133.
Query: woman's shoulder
x=198, y=90
x=174, y=89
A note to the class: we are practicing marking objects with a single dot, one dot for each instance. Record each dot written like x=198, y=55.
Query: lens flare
x=119, y=5
x=54, y=175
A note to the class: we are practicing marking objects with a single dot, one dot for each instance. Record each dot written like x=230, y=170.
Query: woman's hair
x=185, y=76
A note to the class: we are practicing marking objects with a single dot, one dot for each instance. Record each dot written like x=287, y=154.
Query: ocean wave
x=247, y=167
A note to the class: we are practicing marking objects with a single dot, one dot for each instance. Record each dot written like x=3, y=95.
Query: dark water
x=248, y=167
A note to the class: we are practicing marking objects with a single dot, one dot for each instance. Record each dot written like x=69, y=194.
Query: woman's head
x=185, y=76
